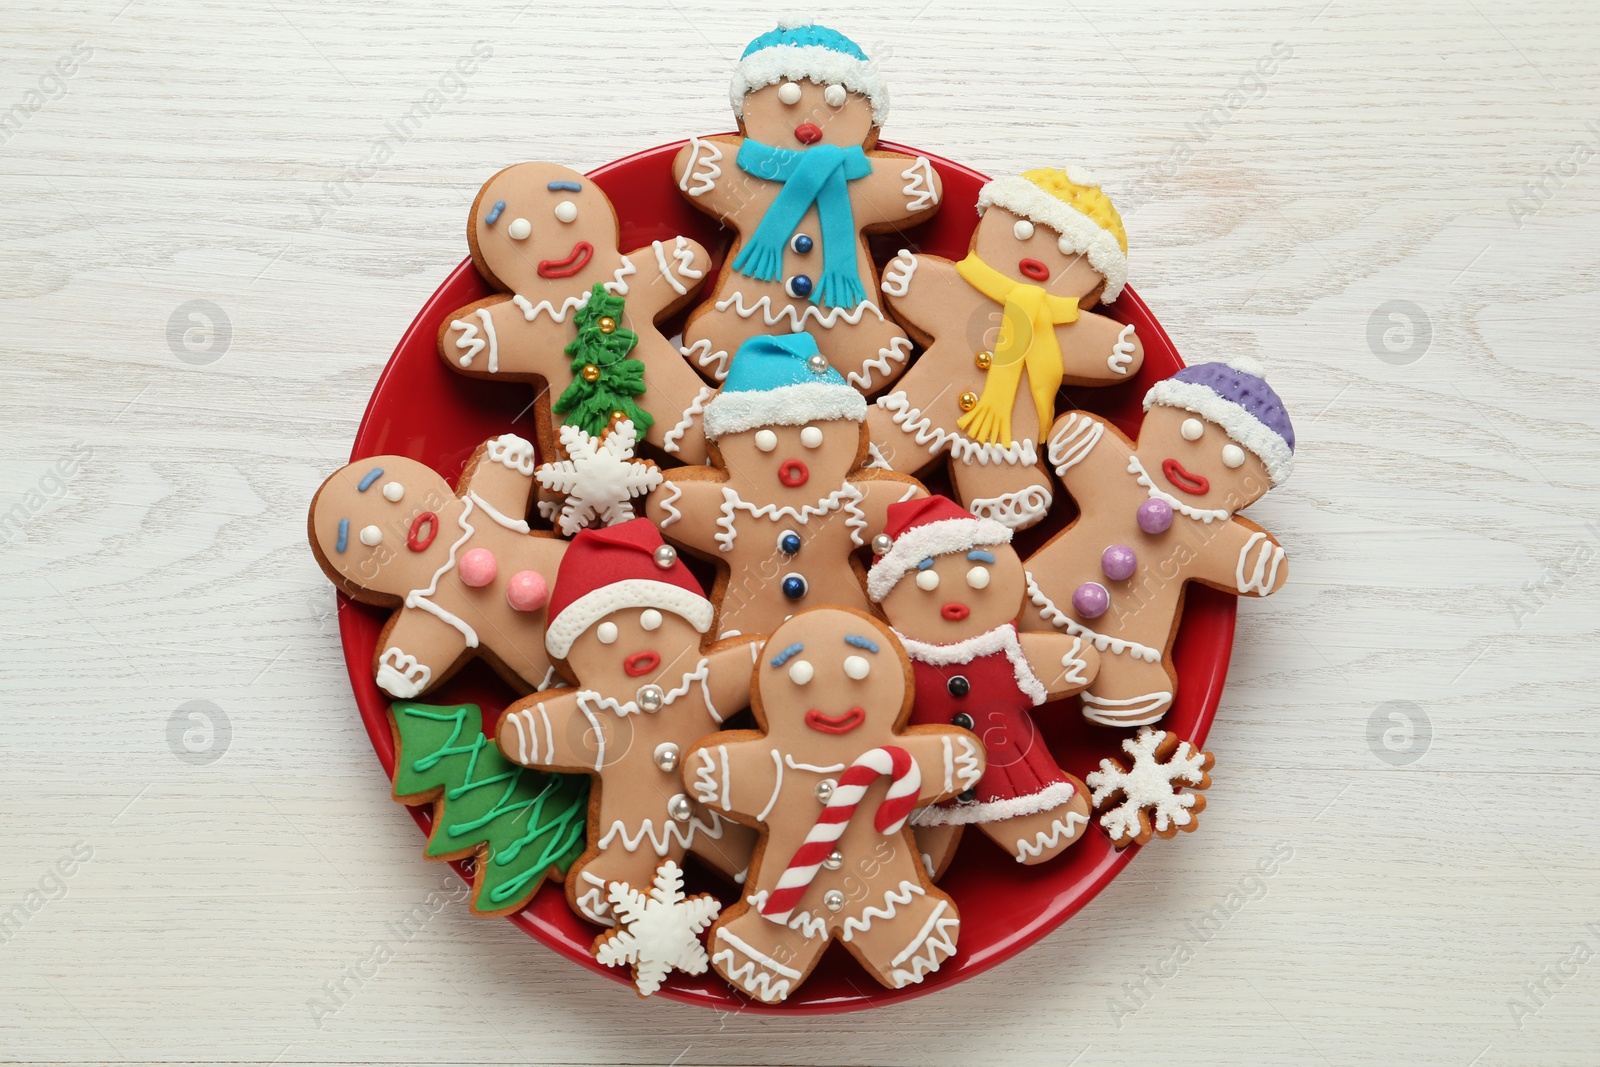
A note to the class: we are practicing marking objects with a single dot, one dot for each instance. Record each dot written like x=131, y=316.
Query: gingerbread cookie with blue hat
x=787, y=505
x=1049, y=247
x=1155, y=515
x=802, y=184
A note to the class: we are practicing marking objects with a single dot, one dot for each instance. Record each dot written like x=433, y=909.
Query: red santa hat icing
x=618, y=567
x=921, y=529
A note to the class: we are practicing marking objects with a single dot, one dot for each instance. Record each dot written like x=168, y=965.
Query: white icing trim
x=1018, y=510
x=595, y=605
x=777, y=786
x=1131, y=711
x=949, y=767
x=898, y=272
x=703, y=356
x=674, y=491
x=787, y=405
x=931, y=539
x=790, y=62
x=599, y=737
x=703, y=170
x=704, y=785
x=418, y=598
x=875, y=459
x=1000, y=639
x=810, y=926
x=671, y=829
x=943, y=938
x=1073, y=664
x=616, y=287
x=470, y=341
x=514, y=525
x=1026, y=850
x=1265, y=574
x=1102, y=643
x=847, y=496
x=798, y=317
x=512, y=452
x=899, y=351
x=761, y=958
x=1021, y=197
x=1122, y=352
x=682, y=265
x=969, y=767
x=592, y=697
x=1051, y=796
x=402, y=675
x=912, y=421
x=832, y=768
x=592, y=904
x=916, y=942
x=919, y=189
x=1074, y=441
x=1249, y=431
x=892, y=899
x=1204, y=515
x=528, y=735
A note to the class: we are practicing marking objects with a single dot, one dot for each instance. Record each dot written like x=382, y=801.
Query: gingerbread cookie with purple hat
x=1157, y=514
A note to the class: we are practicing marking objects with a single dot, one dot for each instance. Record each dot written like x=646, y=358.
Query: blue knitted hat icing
x=808, y=52
x=771, y=382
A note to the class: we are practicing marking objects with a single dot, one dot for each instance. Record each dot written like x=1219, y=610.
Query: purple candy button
x=1119, y=562
x=1155, y=516
x=1091, y=599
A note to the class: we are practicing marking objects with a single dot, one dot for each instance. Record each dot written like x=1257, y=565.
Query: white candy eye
x=928, y=579
x=1023, y=229
x=1067, y=247
x=811, y=437
x=1232, y=456
x=567, y=211
x=834, y=95
x=857, y=667
x=393, y=491
x=789, y=93
x=607, y=633
x=1192, y=429
x=371, y=536
x=766, y=440
x=800, y=672
x=978, y=577
x=650, y=619
x=519, y=229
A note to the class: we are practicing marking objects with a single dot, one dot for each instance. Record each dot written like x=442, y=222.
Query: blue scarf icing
x=816, y=175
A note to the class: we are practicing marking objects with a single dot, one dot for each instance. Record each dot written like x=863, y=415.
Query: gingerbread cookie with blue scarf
x=802, y=184
x=1005, y=328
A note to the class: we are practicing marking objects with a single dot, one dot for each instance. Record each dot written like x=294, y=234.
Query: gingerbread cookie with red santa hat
x=627, y=620
x=952, y=586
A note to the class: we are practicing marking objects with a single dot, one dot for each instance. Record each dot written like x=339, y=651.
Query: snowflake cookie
x=1148, y=798
x=599, y=478
x=660, y=930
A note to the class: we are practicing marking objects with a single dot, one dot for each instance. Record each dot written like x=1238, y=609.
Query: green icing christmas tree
x=514, y=822
x=604, y=379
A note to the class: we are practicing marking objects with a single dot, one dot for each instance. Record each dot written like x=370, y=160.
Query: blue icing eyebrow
x=783, y=657
x=344, y=536
x=565, y=187
x=367, y=479
x=856, y=641
x=494, y=213
x=925, y=564
x=978, y=555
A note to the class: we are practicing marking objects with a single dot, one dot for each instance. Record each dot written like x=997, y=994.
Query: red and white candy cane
x=905, y=783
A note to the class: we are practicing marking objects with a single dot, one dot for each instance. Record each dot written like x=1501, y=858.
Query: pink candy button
x=527, y=591
x=478, y=567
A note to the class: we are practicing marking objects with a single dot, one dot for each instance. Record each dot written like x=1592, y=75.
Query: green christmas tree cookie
x=604, y=379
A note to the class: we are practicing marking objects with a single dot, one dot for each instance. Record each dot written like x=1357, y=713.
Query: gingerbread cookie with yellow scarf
x=1049, y=247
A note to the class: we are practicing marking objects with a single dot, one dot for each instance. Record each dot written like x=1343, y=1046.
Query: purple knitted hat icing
x=1237, y=398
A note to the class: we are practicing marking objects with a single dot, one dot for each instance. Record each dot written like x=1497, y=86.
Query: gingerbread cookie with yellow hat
x=1049, y=247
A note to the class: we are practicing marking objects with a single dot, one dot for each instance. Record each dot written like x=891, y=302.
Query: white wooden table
x=1413, y=721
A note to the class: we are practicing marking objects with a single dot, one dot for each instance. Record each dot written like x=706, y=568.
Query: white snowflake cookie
x=1148, y=798
x=599, y=479
x=659, y=932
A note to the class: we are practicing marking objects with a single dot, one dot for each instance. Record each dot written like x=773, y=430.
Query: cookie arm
x=1086, y=450
x=951, y=761
x=1243, y=558
x=729, y=675
x=899, y=189
x=705, y=171
x=552, y=731
x=879, y=489
x=930, y=296
x=499, y=480
x=495, y=338
x=416, y=652
x=1064, y=664
x=685, y=508
x=670, y=273
x=1096, y=350
x=734, y=771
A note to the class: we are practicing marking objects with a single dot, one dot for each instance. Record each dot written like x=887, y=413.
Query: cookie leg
x=759, y=957
x=729, y=852
x=1043, y=835
x=906, y=936
x=711, y=337
x=1015, y=495
x=870, y=354
x=675, y=397
x=889, y=447
x=937, y=847
x=589, y=881
x=1128, y=691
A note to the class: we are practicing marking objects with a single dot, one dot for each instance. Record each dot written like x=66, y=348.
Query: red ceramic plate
x=420, y=409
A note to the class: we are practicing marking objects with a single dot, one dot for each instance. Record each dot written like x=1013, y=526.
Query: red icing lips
x=1034, y=269
x=808, y=133
x=955, y=611
x=794, y=473
x=835, y=724
x=1193, y=484
x=641, y=663
x=576, y=260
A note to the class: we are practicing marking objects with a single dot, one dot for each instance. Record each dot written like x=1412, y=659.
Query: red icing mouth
x=808, y=133
x=1193, y=484
x=576, y=260
x=1032, y=268
x=835, y=724
x=794, y=473
x=955, y=611
x=641, y=663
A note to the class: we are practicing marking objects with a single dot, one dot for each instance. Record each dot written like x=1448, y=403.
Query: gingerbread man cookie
x=581, y=317
x=788, y=502
x=830, y=779
x=626, y=620
x=801, y=185
x=1155, y=516
x=463, y=572
x=952, y=586
x=1049, y=247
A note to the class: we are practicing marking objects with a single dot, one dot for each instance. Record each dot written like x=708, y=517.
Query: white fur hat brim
x=788, y=62
x=787, y=405
x=1251, y=433
x=930, y=539
x=619, y=596
x=1021, y=197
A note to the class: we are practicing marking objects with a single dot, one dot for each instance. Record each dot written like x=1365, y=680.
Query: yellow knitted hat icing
x=1083, y=196
x=1072, y=204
